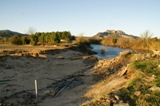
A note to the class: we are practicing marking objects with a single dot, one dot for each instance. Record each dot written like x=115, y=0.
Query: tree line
x=42, y=38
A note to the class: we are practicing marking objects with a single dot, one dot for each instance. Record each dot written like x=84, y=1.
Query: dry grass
x=11, y=47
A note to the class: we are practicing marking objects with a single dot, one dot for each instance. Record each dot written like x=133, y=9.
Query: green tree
x=41, y=38
x=59, y=35
x=56, y=38
x=114, y=41
x=34, y=40
x=25, y=40
x=53, y=38
x=46, y=37
x=16, y=40
x=66, y=35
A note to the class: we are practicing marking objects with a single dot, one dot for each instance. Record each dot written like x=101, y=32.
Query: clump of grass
x=149, y=68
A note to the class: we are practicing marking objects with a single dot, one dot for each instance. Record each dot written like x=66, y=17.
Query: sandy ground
x=21, y=71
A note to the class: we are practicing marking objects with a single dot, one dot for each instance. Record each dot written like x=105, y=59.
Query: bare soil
x=18, y=73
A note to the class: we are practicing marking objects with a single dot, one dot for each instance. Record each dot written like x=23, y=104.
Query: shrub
x=16, y=40
x=25, y=40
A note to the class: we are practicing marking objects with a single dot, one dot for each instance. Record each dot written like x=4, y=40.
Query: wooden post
x=36, y=90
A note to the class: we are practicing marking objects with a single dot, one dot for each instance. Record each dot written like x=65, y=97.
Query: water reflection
x=110, y=52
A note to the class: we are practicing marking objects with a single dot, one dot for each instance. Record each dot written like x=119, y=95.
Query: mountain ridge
x=9, y=33
x=118, y=33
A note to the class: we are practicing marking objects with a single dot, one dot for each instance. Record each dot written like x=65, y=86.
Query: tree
x=34, y=40
x=66, y=35
x=31, y=31
x=146, y=37
x=59, y=35
x=40, y=37
x=25, y=40
x=46, y=38
x=53, y=38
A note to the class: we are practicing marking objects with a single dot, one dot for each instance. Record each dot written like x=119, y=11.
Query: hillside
x=8, y=33
x=117, y=33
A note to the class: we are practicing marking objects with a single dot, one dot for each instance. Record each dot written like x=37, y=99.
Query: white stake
x=36, y=90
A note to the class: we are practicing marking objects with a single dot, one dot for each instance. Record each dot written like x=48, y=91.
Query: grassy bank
x=142, y=86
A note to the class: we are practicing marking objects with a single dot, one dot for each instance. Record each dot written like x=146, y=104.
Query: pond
x=108, y=52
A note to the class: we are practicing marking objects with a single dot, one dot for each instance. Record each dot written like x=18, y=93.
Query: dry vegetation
x=134, y=82
x=144, y=42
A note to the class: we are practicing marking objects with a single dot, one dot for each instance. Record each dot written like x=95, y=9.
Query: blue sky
x=86, y=17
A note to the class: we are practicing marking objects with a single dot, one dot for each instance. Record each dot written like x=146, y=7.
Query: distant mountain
x=8, y=33
x=117, y=33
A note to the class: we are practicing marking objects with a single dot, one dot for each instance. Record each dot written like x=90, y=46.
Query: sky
x=81, y=17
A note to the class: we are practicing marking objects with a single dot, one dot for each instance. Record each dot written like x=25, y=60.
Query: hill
x=118, y=33
x=8, y=33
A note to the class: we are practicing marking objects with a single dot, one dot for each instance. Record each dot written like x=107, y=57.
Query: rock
x=153, y=77
x=35, y=55
x=148, y=55
x=125, y=52
x=155, y=88
x=137, y=93
x=157, y=52
x=108, y=101
x=154, y=55
x=20, y=100
x=53, y=92
x=60, y=57
x=147, y=95
x=114, y=101
x=47, y=92
x=121, y=73
x=116, y=97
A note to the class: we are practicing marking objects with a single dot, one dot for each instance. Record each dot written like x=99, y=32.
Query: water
x=110, y=52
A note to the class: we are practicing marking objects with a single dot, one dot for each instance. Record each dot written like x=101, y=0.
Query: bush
x=25, y=40
x=16, y=40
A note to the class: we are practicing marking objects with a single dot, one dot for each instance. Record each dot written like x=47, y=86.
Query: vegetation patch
x=143, y=90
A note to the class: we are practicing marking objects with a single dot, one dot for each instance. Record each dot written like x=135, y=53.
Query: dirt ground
x=18, y=73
